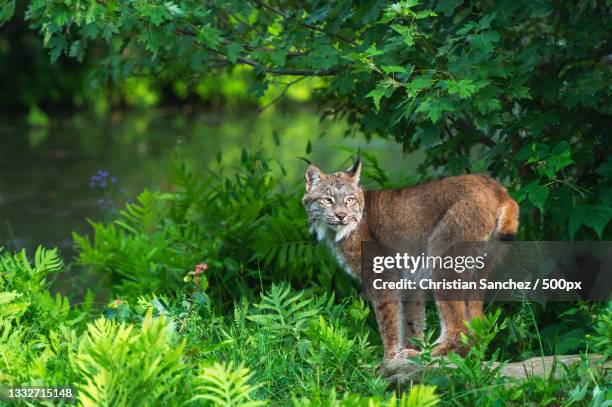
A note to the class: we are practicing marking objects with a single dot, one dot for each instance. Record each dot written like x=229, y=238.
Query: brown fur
x=461, y=208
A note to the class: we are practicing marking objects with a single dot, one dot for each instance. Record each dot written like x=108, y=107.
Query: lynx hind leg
x=495, y=250
x=463, y=222
x=457, y=309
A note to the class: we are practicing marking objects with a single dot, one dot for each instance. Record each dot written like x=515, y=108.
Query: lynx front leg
x=387, y=308
x=413, y=324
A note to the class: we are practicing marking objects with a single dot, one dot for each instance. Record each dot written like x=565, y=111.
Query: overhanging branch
x=468, y=128
x=310, y=26
x=257, y=65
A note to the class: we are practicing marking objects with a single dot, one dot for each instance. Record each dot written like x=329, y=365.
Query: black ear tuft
x=306, y=160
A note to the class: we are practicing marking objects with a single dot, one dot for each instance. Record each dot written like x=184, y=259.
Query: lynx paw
x=394, y=363
x=407, y=353
x=446, y=347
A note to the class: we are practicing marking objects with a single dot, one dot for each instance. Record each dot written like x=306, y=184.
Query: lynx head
x=334, y=202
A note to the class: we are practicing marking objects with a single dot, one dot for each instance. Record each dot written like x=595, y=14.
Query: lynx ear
x=355, y=171
x=313, y=176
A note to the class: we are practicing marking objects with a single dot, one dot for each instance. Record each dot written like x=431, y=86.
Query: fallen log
x=401, y=371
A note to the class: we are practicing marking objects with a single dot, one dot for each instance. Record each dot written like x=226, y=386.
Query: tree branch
x=487, y=141
x=287, y=71
x=464, y=126
x=312, y=27
x=282, y=94
x=256, y=65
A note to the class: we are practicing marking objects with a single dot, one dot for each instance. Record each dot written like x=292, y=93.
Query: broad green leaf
x=278, y=57
x=519, y=92
x=427, y=135
x=484, y=41
x=538, y=195
x=376, y=94
x=407, y=33
x=174, y=9
x=447, y=7
x=435, y=108
x=576, y=219
x=417, y=84
x=259, y=88
x=394, y=69
x=464, y=88
x=598, y=218
x=7, y=9
x=419, y=15
x=209, y=36
x=605, y=169
x=233, y=52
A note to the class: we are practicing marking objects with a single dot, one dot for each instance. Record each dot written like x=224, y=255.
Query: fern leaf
x=226, y=386
x=420, y=396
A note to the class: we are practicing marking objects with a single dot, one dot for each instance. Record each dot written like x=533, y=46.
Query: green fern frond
x=418, y=396
x=333, y=339
x=283, y=242
x=226, y=386
x=18, y=273
x=47, y=261
x=280, y=309
x=13, y=358
x=119, y=364
x=143, y=215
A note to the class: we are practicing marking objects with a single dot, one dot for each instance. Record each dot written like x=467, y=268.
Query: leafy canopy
x=517, y=89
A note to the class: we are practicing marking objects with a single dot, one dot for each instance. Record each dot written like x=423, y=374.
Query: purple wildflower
x=101, y=179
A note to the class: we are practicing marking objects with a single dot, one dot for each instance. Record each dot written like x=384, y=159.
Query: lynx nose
x=341, y=215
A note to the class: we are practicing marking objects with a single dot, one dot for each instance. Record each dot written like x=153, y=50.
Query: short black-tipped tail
x=507, y=237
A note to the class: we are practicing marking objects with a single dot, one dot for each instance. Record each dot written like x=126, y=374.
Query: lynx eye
x=328, y=200
x=350, y=200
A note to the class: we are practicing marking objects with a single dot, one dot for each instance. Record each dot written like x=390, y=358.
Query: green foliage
x=281, y=310
x=303, y=345
x=476, y=378
x=251, y=237
x=516, y=89
x=117, y=365
x=26, y=301
x=419, y=396
x=290, y=347
x=237, y=225
x=226, y=386
x=519, y=90
x=35, y=327
x=34, y=82
x=533, y=330
x=284, y=243
x=602, y=339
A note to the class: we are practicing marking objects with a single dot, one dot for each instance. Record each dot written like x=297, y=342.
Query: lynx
x=460, y=208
